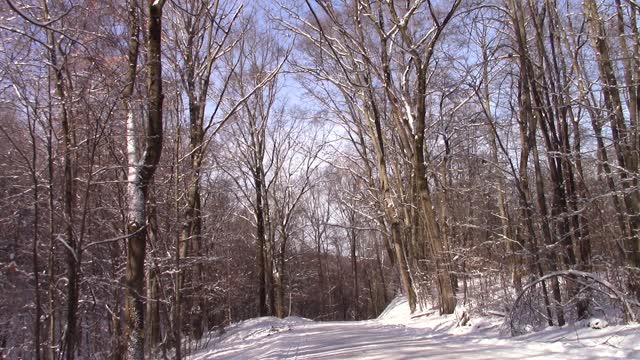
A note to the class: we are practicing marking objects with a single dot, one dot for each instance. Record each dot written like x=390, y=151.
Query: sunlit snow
x=398, y=335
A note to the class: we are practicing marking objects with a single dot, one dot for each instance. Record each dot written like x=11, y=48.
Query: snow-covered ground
x=398, y=335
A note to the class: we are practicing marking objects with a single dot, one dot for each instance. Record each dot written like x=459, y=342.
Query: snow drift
x=398, y=334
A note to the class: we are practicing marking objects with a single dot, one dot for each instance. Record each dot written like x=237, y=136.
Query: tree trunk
x=527, y=128
x=50, y=261
x=321, y=279
x=354, y=271
x=436, y=240
x=177, y=310
x=269, y=262
x=153, y=288
x=390, y=209
x=69, y=346
x=513, y=245
x=141, y=170
x=35, y=241
x=260, y=236
x=622, y=141
x=279, y=276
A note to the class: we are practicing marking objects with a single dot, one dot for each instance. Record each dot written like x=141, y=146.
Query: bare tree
x=141, y=166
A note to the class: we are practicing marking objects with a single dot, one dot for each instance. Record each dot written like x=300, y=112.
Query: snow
x=397, y=334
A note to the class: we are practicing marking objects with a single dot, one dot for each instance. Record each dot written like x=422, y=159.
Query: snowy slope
x=398, y=335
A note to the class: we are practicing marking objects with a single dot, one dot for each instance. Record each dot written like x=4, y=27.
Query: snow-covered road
x=397, y=336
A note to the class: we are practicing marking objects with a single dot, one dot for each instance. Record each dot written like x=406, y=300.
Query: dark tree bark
x=71, y=335
x=141, y=170
x=623, y=140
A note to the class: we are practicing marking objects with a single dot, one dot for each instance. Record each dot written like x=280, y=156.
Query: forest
x=168, y=168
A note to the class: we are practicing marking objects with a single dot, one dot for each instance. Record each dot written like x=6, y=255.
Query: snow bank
x=616, y=341
x=253, y=329
x=398, y=334
x=396, y=311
